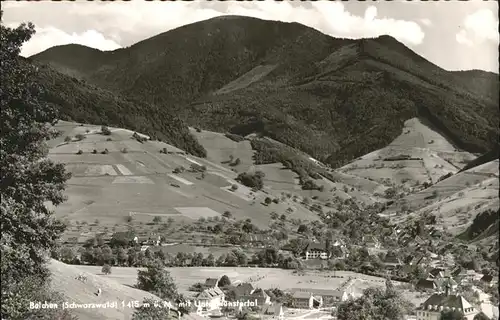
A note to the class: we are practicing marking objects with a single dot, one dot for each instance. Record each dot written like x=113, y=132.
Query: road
x=312, y=314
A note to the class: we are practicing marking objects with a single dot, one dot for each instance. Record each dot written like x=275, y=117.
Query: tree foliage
x=28, y=180
x=375, y=304
x=451, y=315
x=158, y=281
x=224, y=281
x=252, y=180
x=151, y=309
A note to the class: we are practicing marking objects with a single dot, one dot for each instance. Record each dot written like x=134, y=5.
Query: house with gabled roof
x=306, y=300
x=260, y=296
x=446, y=283
x=259, y=239
x=315, y=250
x=152, y=240
x=436, y=273
x=243, y=290
x=209, y=300
x=211, y=282
x=426, y=284
x=392, y=262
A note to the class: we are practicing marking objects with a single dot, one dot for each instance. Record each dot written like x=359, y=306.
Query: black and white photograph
x=249, y=160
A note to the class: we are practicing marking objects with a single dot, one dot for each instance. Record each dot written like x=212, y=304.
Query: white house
x=209, y=300
x=315, y=251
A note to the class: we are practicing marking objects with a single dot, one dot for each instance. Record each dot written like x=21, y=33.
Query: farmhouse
x=315, y=251
x=209, y=300
x=426, y=284
x=260, y=296
x=149, y=240
x=124, y=239
x=306, y=300
x=243, y=290
x=211, y=282
x=392, y=262
x=259, y=239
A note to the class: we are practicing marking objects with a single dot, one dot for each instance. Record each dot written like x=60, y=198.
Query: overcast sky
x=454, y=35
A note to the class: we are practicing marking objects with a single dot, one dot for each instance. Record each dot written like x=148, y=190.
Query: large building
x=306, y=300
x=315, y=251
x=432, y=308
x=329, y=297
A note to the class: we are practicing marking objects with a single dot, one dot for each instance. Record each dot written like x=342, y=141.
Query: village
x=445, y=286
x=219, y=298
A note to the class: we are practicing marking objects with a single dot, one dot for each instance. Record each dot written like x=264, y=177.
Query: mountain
x=335, y=99
x=80, y=101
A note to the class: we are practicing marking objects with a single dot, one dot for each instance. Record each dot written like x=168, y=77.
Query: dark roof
x=446, y=301
x=425, y=283
x=211, y=282
x=436, y=271
x=392, y=259
x=456, y=272
x=315, y=246
x=243, y=289
x=487, y=278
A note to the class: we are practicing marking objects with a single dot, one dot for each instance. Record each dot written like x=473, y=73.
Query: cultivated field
x=135, y=181
x=432, y=155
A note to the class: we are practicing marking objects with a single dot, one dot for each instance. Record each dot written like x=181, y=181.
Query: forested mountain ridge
x=335, y=99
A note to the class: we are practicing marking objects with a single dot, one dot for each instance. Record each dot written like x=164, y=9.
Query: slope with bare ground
x=64, y=280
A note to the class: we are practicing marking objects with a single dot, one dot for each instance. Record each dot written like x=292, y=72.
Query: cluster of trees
x=134, y=257
x=311, y=185
x=252, y=180
x=158, y=281
x=28, y=180
x=269, y=152
x=376, y=304
x=235, y=137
